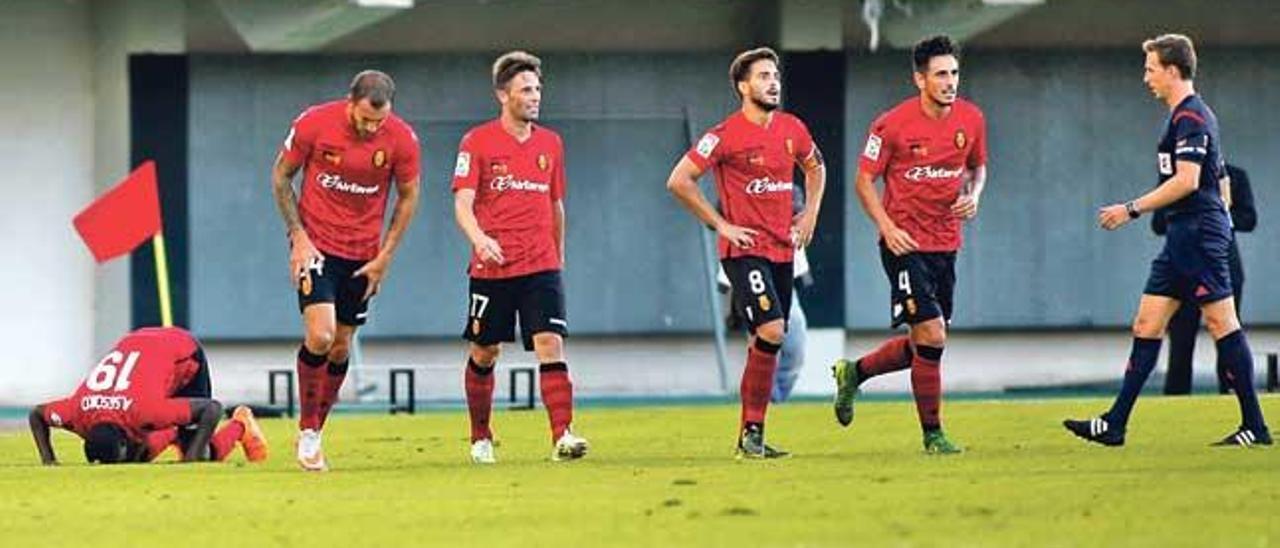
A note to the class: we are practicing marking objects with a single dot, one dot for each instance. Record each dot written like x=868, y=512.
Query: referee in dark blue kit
x=1186, y=322
x=1192, y=270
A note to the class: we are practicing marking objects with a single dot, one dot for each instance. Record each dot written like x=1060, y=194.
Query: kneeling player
x=151, y=391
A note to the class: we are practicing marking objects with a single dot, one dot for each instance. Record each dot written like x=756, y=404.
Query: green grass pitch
x=665, y=476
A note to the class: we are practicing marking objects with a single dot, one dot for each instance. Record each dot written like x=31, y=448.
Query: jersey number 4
x=113, y=372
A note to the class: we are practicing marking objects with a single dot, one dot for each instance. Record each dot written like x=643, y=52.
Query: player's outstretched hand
x=965, y=207
x=302, y=253
x=374, y=271
x=1113, y=216
x=740, y=237
x=898, y=240
x=802, y=227
x=488, y=249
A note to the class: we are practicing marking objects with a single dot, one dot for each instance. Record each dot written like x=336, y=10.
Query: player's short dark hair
x=511, y=63
x=106, y=444
x=740, y=68
x=374, y=85
x=933, y=46
x=1176, y=50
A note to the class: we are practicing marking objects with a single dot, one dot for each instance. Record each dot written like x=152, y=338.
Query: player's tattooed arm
x=40, y=431
x=896, y=239
x=966, y=205
x=282, y=188
x=205, y=414
x=683, y=183
x=815, y=184
x=484, y=247
x=302, y=252
x=406, y=207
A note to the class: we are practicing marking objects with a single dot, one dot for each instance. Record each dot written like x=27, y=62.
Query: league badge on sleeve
x=872, y=150
x=707, y=145
x=463, y=167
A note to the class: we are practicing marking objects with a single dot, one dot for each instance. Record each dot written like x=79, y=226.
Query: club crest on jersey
x=756, y=158
x=765, y=303
x=379, y=158
x=543, y=162
x=961, y=139
x=919, y=151
x=791, y=147
x=333, y=158
x=707, y=145
x=498, y=168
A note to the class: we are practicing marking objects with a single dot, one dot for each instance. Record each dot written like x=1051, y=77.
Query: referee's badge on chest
x=1165, y=161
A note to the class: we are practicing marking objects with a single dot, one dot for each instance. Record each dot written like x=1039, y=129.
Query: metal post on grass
x=709, y=267
x=1273, y=375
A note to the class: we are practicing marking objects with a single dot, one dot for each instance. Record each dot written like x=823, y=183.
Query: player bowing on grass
x=151, y=391
x=1193, y=268
x=350, y=151
x=931, y=151
x=754, y=153
x=508, y=188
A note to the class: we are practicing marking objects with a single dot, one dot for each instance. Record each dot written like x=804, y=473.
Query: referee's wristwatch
x=1131, y=207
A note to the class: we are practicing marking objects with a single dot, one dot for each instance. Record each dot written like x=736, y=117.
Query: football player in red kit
x=350, y=151
x=508, y=188
x=754, y=153
x=931, y=151
x=151, y=391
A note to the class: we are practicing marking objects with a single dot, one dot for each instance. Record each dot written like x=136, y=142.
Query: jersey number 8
x=756, y=279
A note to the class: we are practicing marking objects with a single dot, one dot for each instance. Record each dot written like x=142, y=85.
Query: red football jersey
x=754, y=167
x=346, y=178
x=925, y=163
x=132, y=385
x=517, y=184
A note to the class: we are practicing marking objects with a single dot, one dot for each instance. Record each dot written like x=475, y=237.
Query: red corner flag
x=122, y=218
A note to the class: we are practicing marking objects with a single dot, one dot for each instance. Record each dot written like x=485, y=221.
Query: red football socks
x=557, y=396
x=336, y=373
x=894, y=355
x=224, y=440
x=478, y=382
x=926, y=386
x=311, y=381
x=159, y=440
x=757, y=381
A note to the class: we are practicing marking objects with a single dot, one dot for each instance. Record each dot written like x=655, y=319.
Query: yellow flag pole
x=162, y=279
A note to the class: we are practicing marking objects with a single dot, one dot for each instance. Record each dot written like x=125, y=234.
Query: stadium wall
x=48, y=147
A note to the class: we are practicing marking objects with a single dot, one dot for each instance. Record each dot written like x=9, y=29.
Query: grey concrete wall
x=48, y=147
